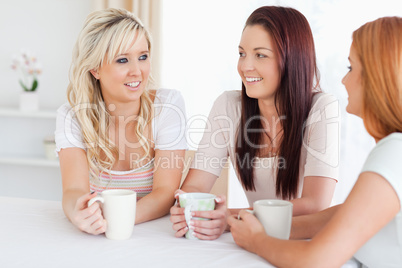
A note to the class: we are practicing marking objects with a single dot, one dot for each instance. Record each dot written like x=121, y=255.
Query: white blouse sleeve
x=385, y=160
x=68, y=131
x=169, y=128
x=321, y=141
x=213, y=149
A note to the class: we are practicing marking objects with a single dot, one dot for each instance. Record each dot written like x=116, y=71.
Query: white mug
x=275, y=216
x=195, y=202
x=118, y=208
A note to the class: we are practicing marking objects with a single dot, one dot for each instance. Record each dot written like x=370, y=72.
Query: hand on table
x=88, y=219
x=206, y=230
x=244, y=229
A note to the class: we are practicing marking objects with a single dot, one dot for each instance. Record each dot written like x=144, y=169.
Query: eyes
x=349, y=68
x=143, y=57
x=123, y=60
x=257, y=55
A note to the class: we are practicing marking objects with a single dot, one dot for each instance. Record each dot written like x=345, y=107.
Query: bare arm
x=316, y=195
x=374, y=201
x=198, y=181
x=167, y=176
x=75, y=181
x=307, y=226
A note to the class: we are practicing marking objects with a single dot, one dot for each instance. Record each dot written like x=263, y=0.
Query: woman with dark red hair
x=280, y=131
x=368, y=225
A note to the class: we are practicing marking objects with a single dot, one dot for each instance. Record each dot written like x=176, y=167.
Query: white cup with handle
x=275, y=215
x=118, y=208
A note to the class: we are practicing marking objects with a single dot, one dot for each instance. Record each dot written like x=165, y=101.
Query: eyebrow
x=259, y=48
x=125, y=54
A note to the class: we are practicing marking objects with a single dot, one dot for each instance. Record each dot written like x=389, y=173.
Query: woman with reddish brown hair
x=368, y=225
x=280, y=131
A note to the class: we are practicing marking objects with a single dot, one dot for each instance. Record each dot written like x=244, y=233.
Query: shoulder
x=385, y=160
x=324, y=104
x=385, y=157
x=65, y=111
x=321, y=99
x=168, y=102
x=64, y=108
x=229, y=97
x=228, y=103
x=167, y=96
x=388, y=147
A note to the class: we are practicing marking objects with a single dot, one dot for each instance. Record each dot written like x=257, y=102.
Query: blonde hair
x=378, y=45
x=106, y=34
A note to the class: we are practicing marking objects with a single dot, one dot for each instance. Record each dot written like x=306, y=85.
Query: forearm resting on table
x=307, y=226
x=316, y=195
x=154, y=205
x=69, y=200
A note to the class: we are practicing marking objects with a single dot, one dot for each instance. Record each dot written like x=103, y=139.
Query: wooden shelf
x=29, y=161
x=13, y=112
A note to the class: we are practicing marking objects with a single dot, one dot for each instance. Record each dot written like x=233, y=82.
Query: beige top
x=319, y=155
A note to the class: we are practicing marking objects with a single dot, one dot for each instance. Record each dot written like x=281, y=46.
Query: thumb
x=82, y=202
x=220, y=199
x=177, y=193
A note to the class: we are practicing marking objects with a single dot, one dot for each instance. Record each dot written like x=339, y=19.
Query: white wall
x=47, y=28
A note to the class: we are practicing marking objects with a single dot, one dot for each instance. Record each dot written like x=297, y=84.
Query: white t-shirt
x=168, y=124
x=319, y=154
x=385, y=248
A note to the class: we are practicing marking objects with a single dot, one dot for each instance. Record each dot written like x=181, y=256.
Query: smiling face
x=353, y=84
x=258, y=64
x=124, y=79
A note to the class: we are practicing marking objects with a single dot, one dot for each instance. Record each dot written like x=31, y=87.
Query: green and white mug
x=195, y=202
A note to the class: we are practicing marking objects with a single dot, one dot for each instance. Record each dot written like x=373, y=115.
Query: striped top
x=139, y=180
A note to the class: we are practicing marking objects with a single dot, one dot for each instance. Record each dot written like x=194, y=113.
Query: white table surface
x=36, y=233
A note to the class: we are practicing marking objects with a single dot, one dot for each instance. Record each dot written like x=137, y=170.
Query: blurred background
x=196, y=52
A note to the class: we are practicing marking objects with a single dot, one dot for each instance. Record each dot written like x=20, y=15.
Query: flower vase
x=29, y=101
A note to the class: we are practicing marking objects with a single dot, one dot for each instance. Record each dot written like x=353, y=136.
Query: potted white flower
x=28, y=68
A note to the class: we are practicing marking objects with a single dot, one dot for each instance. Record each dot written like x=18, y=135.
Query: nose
x=344, y=79
x=246, y=64
x=135, y=69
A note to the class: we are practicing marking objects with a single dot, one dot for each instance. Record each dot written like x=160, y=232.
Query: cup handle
x=96, y=198
x=248, y=210
x=187, y=213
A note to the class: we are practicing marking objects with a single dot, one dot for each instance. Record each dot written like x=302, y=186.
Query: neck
x=270, y=121
x=268, y=109
x=124, y=113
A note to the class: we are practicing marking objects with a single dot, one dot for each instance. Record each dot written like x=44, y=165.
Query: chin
x=252, y=94
x=348, y=110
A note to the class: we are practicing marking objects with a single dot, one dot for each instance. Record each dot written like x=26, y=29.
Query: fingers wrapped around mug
x=178, y=219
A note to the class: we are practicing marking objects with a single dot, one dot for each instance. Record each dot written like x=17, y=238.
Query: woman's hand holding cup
x=177, y=216
x=217, y=223
x=202, y=229
x=88, y=219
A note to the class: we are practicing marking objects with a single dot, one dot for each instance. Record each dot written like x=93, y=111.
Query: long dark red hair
x=294, y=43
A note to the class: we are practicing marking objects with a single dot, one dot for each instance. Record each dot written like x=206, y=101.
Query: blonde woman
x=115, y=132
x=369, y=224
